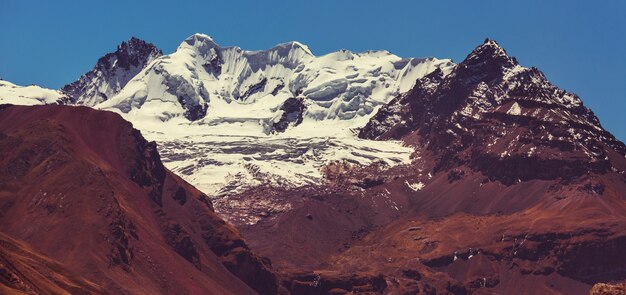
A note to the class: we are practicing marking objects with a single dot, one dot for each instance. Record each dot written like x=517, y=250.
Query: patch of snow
x=414, y=186
x=27, y=95
x=515, y=110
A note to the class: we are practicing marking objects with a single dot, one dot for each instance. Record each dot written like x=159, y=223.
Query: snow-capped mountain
x=227, y=118
x=213, y=84
x=27, y=95
x=111, y=73
x=490, y=110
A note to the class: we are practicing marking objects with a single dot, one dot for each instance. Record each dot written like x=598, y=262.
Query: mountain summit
x=492, y=110
x=489, y=52
x=111, y=73
x=204, y=81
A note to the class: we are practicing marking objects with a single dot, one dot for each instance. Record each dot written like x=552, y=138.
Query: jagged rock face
x=608, y=289
x=74, y=171
x=25, y=271
x=111, y=73
x=202, y=80
x=292, y=110
x=500, y=118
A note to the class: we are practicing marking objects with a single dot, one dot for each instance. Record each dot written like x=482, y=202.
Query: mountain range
x=350, y=172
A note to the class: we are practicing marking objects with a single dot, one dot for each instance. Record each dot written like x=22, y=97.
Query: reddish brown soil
x=24, y=271
x=560, y=239
x=83, y=188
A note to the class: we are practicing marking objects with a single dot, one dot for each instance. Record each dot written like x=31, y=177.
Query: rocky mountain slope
x=507, y=121
x=514, y=187
x=25, y=271
x=111, y=73
x=83, y=188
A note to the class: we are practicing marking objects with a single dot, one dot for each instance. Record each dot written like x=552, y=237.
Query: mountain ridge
x=71, y=172
x=111, y=73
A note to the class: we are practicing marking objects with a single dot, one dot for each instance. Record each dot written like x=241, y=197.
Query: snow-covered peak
x=198, y=37
x=27, y=95
x=493, y=46
x=111, y=73
x=492, y=43
x=136, y=46
x=200, y=42
x=378, y=53
x=289, y=54
x=293, y=45
x=341, y=55
x=202, y=81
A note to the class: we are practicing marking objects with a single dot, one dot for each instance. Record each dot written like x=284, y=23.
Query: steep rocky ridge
x=111, y=73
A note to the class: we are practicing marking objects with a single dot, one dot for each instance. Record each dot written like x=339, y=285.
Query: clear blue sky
x=580, y=45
